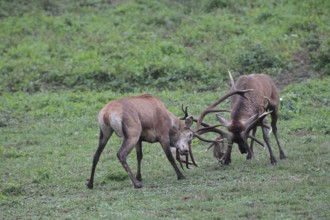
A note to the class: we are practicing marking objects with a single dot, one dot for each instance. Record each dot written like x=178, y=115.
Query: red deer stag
x=248, y=112
x=143, y=118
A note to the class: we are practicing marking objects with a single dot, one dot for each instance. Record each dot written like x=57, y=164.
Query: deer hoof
x=273, y=161
x=249, y=157
x=89, y=185
x=181, y=177
x=226, y=161
x=138, y=185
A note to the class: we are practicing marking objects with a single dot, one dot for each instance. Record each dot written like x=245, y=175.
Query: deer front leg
x=226, y=158
x=125, y=149
x=168, y=153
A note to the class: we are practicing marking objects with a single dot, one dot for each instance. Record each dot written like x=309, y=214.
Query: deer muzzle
x=184, y=151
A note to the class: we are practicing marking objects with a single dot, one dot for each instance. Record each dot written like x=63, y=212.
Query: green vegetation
x=61, y=61
x=142, y=44
x=48, y=140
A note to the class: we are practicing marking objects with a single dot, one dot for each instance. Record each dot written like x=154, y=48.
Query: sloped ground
x=300, y=71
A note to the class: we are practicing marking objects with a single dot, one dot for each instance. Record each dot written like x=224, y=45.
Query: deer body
x=149, y=124
x=137, y=119
x=245, y=107
x=248, y=112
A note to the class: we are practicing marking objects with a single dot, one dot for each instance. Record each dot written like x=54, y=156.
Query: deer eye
x=190, y=135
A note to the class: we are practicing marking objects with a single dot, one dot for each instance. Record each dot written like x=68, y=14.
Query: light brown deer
x=143, y=118
x=249, y=110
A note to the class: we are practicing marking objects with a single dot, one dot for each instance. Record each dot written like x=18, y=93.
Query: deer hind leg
x=266, y=138
x=274, y=116
x=139, y=156
x=103, y=140
x=169, y=155
x=125, y=149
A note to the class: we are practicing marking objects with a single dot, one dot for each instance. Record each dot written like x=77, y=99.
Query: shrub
x=257, y=59
x=321, y=59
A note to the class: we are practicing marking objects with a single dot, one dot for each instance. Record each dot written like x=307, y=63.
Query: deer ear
x=222, y=120
x=188, y=122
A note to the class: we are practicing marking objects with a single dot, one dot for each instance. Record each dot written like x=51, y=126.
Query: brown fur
x=245, y=112
x=137, y=119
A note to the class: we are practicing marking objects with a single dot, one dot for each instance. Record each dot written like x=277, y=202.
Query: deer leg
x=178, y=158
x=266, y=138
x=168, y=153
x=126, y=147
x=139, y=156
x=103, y=140
x=226, y=158
x=250, y=152
x=274, y=116
x=274, y=127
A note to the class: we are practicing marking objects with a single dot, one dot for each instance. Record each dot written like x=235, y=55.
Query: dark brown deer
x=143, y=118
x=249, y=110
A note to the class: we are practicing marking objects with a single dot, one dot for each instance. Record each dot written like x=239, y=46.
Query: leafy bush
x=258, y=59
x=321, y=59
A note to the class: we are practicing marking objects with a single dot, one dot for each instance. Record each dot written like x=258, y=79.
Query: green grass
x=61, y=61
x=47, y=142
x=168, y=44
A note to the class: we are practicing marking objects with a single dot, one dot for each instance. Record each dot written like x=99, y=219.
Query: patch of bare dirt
x=300, y=71
x=301, y=133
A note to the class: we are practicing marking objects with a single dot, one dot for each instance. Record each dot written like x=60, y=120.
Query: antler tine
x=265, y=114
x=212, y=129
x=257, y=119
x=232, y=81
x=177, y=156
x=256, y=140
x=205, y=129
x=207, y=140
x=218, y=110
x=192, y=157
x=185, y=111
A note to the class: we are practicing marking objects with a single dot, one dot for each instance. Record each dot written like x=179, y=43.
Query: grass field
x=62, y=61
x=139, y=45
x=48, y=140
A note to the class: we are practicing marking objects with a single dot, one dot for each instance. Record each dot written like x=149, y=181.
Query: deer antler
x=211, y=107
x=257, y=119
x=178, y=158
x=199, y=132
x=207, y=128
x=185, y=111
x=256, y=140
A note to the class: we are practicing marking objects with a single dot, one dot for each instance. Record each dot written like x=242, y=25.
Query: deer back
x=144, y=116
x=253, y=102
